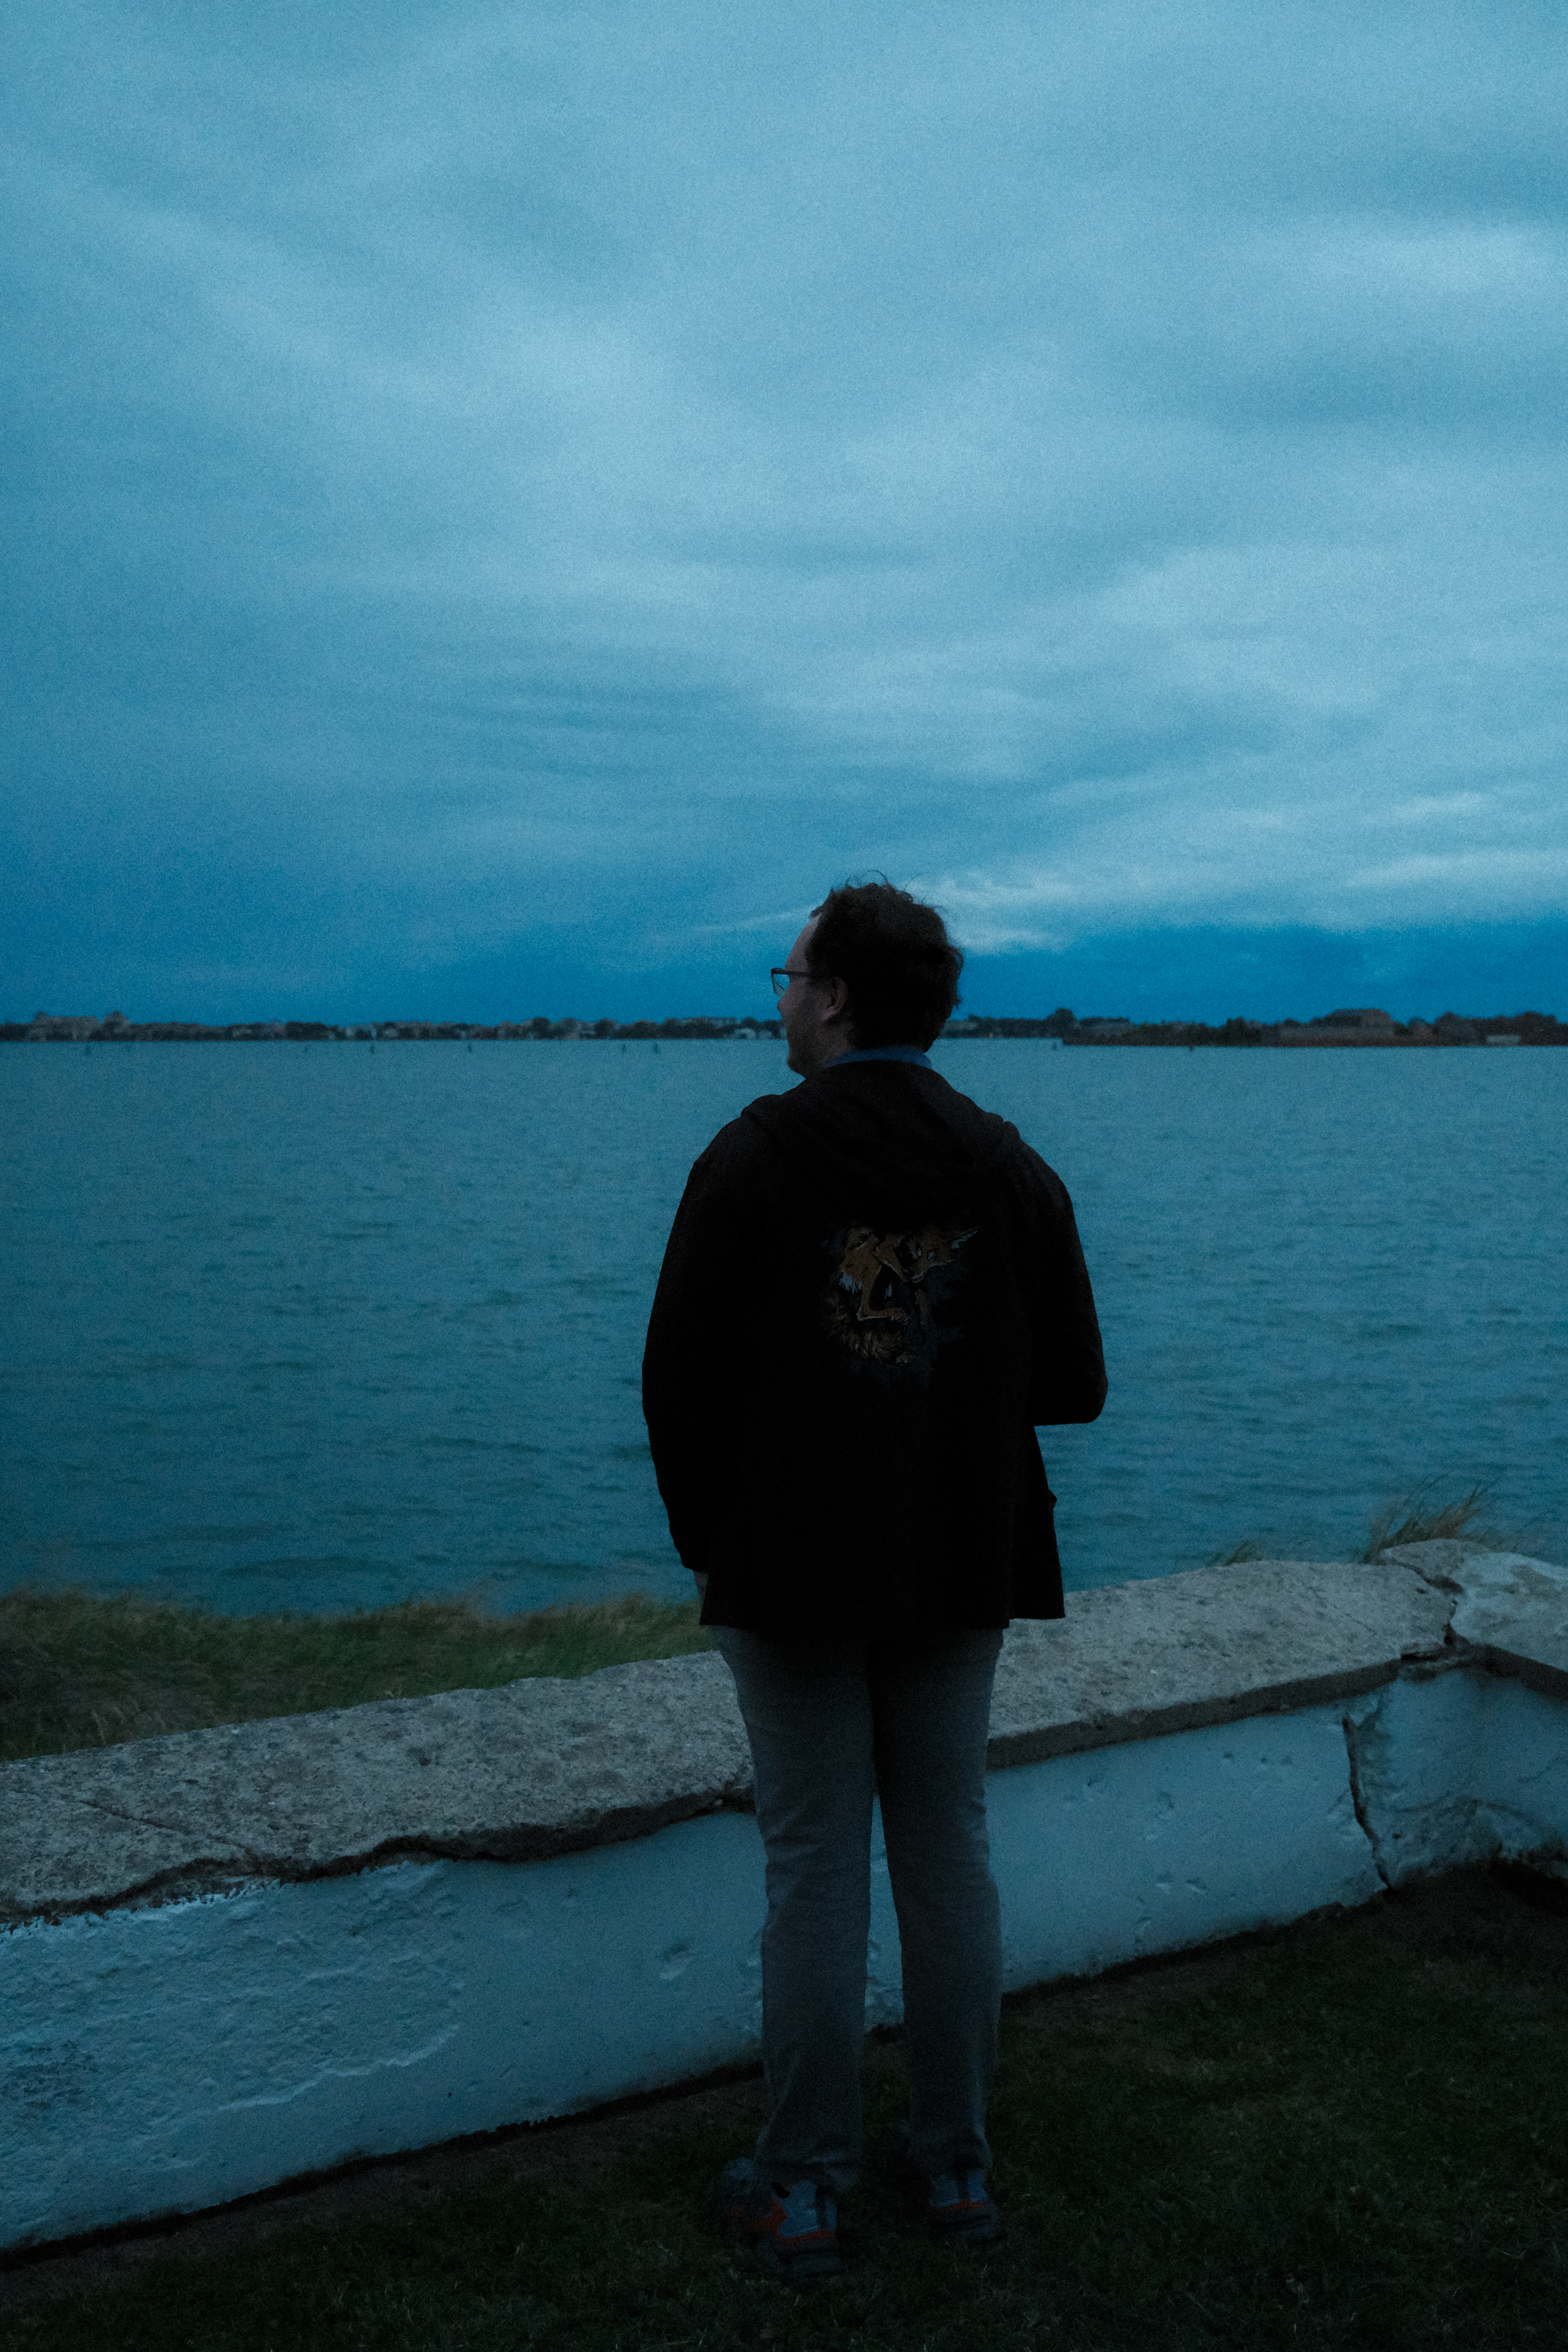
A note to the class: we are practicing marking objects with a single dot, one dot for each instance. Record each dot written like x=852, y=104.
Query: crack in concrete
x=1351, y=1730
x=244, y=1867
x=120, y=1813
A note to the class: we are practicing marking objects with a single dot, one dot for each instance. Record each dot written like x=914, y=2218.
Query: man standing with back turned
x=872, y=1295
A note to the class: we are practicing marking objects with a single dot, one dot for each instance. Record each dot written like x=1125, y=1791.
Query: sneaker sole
x=967, y=2228
x=779, y=2262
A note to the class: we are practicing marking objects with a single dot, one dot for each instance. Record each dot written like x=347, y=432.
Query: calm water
x=320, y=1326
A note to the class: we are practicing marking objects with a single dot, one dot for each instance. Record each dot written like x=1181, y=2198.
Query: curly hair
x=895, y=958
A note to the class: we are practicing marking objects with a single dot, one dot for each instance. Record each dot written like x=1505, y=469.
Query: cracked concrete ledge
x=1509, y=1611
x=545, y=1769
x=1181, y=1759
x=538, y=1769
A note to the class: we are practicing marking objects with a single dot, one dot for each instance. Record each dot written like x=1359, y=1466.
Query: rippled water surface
x=314, y=1325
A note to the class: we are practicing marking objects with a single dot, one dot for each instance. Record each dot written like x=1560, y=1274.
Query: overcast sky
x=505, y=504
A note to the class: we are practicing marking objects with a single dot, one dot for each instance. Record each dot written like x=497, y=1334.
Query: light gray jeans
x=828, y=1725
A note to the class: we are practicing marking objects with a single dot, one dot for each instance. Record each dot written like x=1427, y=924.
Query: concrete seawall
x=232, y=1956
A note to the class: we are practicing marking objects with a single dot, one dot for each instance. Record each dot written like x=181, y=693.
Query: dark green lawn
x=78, y=1670
x=1352, y=2133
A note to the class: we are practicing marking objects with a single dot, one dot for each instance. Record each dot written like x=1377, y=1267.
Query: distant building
x=65, y=1025
x=1352, y=1024
x=1365, y=1016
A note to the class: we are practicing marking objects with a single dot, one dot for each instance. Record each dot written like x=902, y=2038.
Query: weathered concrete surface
x=1179, y=1760
x=1460, y=1769
x=541, y=1768
x=1516, y=1611
x=161, y=2059
x=546, y=1768
x=1107, y=1855
x=1172, y=1653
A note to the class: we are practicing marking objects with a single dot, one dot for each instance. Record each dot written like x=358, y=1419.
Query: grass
x=1237, y=1554
x=1352, y=2133
x=1417, y=1517
x=81, y=1671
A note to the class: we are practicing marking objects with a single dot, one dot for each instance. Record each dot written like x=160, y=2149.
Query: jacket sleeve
x=685, y=1403
x=1066, y=1380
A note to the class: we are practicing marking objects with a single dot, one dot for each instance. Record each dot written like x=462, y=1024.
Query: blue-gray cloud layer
x=497, y=488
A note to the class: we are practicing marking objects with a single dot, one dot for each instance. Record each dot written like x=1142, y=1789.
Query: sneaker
x=954, y=2206
x=792, y=2229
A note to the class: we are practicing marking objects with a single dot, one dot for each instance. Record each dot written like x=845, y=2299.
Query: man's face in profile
x=807, y=1008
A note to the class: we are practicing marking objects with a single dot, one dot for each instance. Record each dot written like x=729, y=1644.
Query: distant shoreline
x=1353, y=1027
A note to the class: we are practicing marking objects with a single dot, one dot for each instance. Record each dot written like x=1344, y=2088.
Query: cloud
x=493, y=470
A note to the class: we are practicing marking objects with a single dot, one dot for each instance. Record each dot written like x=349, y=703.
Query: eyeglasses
x=780, y=976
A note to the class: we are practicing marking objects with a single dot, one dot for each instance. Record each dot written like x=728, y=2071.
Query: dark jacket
x=872, y=1293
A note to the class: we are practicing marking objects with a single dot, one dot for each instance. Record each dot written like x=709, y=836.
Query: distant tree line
x=1350, y=1025
x=81, y=1028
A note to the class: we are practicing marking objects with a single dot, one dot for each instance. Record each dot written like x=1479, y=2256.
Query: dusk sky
x=506, y=504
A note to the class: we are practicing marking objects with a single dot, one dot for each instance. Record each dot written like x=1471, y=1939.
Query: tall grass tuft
x=80, y=1670
x=1418, y=1517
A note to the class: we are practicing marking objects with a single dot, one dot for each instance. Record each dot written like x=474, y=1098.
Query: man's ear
x=836, y=1007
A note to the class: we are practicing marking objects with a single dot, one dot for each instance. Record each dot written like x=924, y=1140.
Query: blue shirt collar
x=884, y=1054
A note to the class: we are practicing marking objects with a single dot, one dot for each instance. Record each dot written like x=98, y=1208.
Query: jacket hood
x=888, y=1141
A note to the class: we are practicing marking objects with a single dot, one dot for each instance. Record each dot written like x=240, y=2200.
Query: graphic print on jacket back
x=883, y=1289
